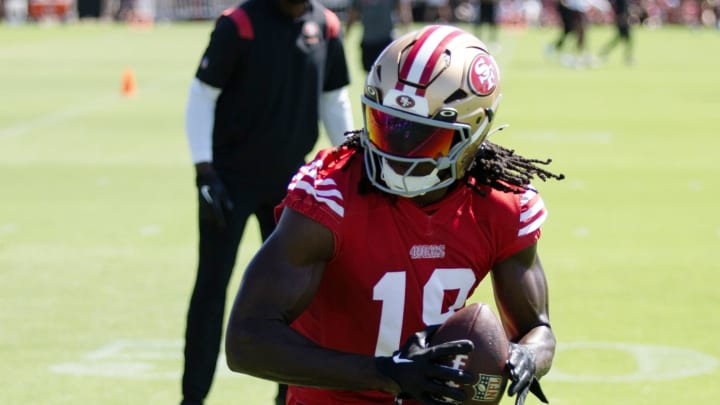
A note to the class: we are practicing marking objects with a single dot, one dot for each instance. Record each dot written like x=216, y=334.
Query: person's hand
x=214, y=200
x=416, y=371
x=521, y=364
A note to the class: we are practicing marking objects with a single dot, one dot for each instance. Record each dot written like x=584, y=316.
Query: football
x=477, y=322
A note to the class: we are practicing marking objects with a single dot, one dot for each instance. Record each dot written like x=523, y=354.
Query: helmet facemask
x=394, y=139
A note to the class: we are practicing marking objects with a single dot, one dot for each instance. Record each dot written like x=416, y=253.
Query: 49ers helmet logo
x=483, y=75
x=405, y=101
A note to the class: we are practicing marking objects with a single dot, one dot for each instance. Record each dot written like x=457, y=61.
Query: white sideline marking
x=654, y=363
x=102, y=182
x=7, y=229
x=592, y=137
x=150, y=230
x=161, y=359
x=136, y=349
x=71, y=113
x=56, y=117
x=135, y=359
x=696, y=185
x=582, y=232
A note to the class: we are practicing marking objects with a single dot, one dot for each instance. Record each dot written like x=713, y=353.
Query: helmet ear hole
x=459, y=94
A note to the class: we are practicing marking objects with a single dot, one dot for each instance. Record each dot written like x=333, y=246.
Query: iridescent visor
x=413, y=137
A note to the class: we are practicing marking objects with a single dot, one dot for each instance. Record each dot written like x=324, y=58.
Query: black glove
x=416, y=370
x=521, y=364
x=214, y=200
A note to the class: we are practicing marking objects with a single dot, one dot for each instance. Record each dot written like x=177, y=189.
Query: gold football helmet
x=428, y=105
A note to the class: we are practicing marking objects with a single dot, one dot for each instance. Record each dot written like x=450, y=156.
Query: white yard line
x=57, y=117
x=71, y=113
x=155, y=358
x=581, y=137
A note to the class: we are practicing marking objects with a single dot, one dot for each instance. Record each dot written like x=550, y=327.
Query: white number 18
x=391, y=291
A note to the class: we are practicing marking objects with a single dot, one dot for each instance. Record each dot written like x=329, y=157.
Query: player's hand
x=521, y=364
x=214, y=200
x=416, y=371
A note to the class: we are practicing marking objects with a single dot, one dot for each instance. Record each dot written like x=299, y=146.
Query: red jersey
x=397, y=267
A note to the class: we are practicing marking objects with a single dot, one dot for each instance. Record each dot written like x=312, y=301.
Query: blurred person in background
x=709, y=13
x=379, y=19
x=437, y=11
x=487, y=16
x=125, y=10
x=565, y=15
x=533, y=12
x=271, y=70
x=623, y=24
x=573, y=21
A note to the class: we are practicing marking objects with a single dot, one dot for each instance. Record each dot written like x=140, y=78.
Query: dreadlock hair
x=503, y=170
x=494, y=166
x=352, y=141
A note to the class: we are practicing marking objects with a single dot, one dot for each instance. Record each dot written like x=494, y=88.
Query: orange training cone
x=129, y=85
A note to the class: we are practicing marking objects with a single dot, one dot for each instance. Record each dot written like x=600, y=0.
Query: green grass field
x=98, y=234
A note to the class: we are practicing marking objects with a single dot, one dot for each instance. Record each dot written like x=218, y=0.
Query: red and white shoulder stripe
x=322, y=189
x=532, y=212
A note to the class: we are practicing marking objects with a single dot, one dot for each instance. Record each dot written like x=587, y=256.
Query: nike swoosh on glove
x=214, y=200
x=416, y=371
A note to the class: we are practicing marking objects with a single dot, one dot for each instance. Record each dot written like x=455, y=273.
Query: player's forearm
x=541, y=340
x=280, y=354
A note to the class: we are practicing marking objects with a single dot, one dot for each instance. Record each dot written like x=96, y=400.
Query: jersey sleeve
x=317, y=190
x=229, y=38
x=526, y=226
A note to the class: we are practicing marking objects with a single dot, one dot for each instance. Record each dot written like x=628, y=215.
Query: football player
x=623, y=25
x=574, y=21
x=391, y=233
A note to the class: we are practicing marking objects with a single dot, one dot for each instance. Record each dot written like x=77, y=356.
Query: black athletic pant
x=217, y=253
x=566, y=20
x=371, y=50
